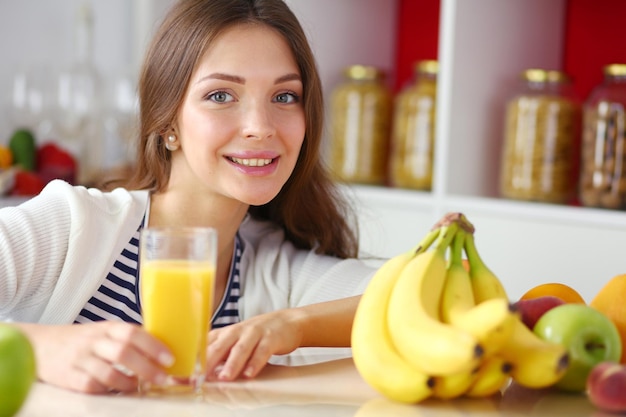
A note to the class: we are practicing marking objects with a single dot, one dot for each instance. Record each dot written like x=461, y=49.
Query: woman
x=230, y=126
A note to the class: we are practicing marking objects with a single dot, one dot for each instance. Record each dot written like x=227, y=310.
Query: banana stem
x=456, y=251
x=446, y=235
x=427, y=241
x=473, y=257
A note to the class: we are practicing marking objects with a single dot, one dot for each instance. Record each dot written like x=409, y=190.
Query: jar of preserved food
x=359, y=140
x=413, y=130
x=603, y=164
x=540, y=139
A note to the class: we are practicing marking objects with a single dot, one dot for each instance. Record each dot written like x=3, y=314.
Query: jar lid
x=538, y=75
x=616, y=70
x=364, y=72
x=427, y=66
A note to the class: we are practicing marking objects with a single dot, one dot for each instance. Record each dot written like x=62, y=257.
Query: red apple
x=606, y=386
x=533, y=308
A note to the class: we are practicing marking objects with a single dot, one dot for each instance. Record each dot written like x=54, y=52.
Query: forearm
x=327, y=324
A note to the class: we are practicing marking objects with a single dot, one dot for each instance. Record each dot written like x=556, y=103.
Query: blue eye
x=287, y=98
x=220, y=97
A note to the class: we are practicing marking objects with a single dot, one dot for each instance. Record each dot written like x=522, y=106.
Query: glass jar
x=359, y=140
x=540, y=139
x=603, y=162
x=413, y=130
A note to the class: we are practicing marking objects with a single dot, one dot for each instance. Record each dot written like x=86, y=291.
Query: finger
x=144, y=342
x=125, y=357
x=258, y=359
x=217, y=352
x=77, y=379
x=238, y=356
x=100, y=376
x=211, y=373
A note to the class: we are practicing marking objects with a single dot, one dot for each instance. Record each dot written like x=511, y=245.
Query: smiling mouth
x=251, y=162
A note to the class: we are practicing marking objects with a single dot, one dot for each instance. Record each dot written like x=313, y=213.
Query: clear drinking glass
x=177, y=276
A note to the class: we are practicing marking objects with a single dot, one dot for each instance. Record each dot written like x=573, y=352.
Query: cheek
x=201, y=130
x=295, y=131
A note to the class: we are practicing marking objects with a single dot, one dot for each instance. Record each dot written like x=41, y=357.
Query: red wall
x=418, y=36
x=595, y=36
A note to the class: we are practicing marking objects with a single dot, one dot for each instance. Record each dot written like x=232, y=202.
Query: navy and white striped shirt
x=118, y=296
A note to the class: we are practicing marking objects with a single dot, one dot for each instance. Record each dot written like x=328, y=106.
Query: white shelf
x=524, y=243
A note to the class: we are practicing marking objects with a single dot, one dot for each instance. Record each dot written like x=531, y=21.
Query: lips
x=255, y=164
x=251, y=162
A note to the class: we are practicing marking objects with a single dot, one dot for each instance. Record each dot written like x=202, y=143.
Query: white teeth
x=253, y=162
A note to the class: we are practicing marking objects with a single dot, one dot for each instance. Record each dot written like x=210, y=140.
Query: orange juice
x=176, y=298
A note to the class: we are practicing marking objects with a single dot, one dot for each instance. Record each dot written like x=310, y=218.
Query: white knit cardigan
x=57, y=248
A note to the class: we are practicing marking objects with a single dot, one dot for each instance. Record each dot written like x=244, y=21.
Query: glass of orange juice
x=176, y=280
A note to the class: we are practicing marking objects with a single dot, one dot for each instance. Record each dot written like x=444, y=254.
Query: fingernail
x=166, y=359
x=248, y=372
x=225, y=375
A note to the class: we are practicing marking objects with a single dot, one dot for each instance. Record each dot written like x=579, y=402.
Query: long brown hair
x=309, y=207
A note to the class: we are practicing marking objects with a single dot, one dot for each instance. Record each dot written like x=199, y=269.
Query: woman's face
x=241, y=125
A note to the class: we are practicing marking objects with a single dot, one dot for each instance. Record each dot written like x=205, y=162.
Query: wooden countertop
x=328, y=388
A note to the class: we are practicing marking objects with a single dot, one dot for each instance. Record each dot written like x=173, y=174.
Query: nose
x=257, y=121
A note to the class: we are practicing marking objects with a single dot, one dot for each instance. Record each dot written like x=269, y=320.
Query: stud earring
x=170, y=143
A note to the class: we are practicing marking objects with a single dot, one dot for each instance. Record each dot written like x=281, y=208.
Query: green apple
x=17, y=369
x=589, y=336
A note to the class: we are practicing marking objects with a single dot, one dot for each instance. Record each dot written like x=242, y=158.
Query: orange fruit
x=555, y=289
x=610, y=301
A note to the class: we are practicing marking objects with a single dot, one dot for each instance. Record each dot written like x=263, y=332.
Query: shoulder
x=266, y=245
x=253, y=227
x=88, y=209
x=79, y=195
x=279, y=275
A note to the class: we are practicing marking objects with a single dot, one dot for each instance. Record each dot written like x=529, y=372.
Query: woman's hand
x=243, y=349
x=97, y=357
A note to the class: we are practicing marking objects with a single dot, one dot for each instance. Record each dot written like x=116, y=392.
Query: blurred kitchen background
x=69, y=67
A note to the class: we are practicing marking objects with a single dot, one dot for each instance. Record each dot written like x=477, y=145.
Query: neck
x=170, y=209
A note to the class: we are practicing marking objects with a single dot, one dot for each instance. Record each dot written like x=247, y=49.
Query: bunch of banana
x=534, y=362
x=429, y=326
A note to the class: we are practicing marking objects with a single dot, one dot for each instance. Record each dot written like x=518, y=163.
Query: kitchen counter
x=327, y=388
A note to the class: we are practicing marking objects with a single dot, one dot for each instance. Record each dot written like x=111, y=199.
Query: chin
x=259, y=199
x=254, y=194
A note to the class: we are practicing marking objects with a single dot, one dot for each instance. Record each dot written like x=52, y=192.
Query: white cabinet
x=483, y=44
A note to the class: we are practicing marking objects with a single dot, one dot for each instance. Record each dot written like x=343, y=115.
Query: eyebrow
x=241, y=80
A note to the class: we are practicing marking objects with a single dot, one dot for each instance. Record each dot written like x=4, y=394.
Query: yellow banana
x=536, y=363
x=490, y=322
x=455, y=385
x=413, y=315
x=493, y=375
x=374, y=354
x=457, y=296
x=485, y=284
